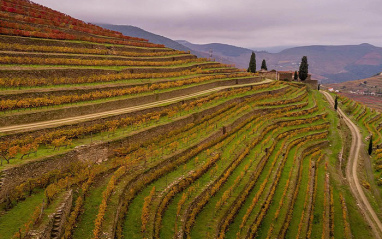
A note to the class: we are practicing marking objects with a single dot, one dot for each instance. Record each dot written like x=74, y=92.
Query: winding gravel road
x=351, y=173
x=72, y=120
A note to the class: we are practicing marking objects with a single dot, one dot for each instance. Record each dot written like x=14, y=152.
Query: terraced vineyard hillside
x=370, y=121
x=109, y=136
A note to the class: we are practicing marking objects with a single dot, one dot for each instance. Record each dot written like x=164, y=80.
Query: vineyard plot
x=110, y=136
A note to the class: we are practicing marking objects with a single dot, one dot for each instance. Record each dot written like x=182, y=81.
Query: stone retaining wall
x=56, y=220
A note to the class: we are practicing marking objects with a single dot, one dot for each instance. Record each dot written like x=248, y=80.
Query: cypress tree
x=336, y=103
x=295, y=77
x=252, y=63
x=303, y=71
x=370, y=145
x=264, y=65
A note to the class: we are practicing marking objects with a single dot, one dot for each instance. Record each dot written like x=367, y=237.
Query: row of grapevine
x=180, y=186
x=77, y=50
x=28, y=60
x=326, y=212
x=71, y=222
x=345, y=218
x=308, y=201
x=17, y=81
x=105, y=197
x=285, y=225
x=51, y=99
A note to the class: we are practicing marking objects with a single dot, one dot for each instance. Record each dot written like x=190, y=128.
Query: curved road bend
x=72, y=120
x=352, y=177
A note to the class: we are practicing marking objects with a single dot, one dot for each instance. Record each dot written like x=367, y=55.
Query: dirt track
x=351, y=173
x=66, y=121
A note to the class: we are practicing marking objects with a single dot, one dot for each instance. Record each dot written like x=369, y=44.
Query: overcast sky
x=253, y=24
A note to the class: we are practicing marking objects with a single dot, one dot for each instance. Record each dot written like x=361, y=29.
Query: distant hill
x=330, y=64
x=152, y=37
x=223, y=49
x=339, y=63
x=222, y=52
x=367, y=91
x=368, y=85
x=327, y=63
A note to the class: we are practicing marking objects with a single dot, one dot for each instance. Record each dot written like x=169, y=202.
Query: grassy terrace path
x=352, y=177
x=55, y=123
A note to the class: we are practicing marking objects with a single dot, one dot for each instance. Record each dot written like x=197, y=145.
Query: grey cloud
x=247, y=23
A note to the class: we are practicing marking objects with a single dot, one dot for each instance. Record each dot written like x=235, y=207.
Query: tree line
x=302, y=72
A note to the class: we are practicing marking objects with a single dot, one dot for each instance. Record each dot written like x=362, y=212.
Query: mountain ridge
x=328, y=63
x=130, y=30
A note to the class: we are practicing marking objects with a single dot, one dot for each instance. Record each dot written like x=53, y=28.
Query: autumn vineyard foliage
x=371, y=120
x=150, y=142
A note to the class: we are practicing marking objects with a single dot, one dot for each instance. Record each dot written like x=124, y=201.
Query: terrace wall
x=268, y=75
x=313, y=84
x=285, y=76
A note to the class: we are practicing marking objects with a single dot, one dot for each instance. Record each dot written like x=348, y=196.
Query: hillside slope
x=367, y=85
x=111, y=136
x=367, y=91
